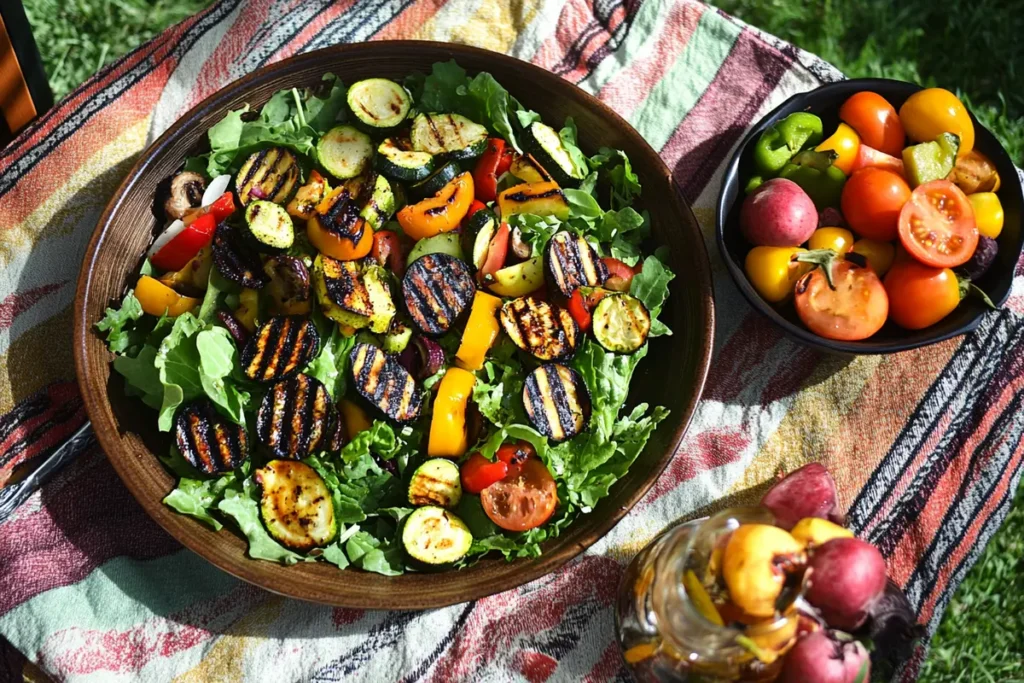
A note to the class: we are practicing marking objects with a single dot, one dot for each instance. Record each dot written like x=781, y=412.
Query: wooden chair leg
x=24, y=90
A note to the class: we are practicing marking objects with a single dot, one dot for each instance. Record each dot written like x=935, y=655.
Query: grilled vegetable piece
x=338, y=214
x=186, y=193
x=296, y=505
x=235, y=260
x=344, y=151
x=435, y=537
x=437, y=288
x=280, y=348
x=621, y=323
x=546, y=146
x=269, y=174
x=539, y=328
x=557, y=401
x=540, y=199
x=381, y=380
x=450, y=134
x=573, y=263
x=378, y=202
x=443, y=243
x=435, y=182
x=353, y=295
x=209, y=441
x=436, y=482
x=397, y=337
x=378, y=104
x=398, y=160
x=528, y=169
x=483, y=225
x=289, y=287
x=303, y=204
x=518, y=280
x=270, y=226
x=294, y=419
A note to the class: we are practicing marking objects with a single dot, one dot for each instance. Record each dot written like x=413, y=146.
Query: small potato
x=778, y=214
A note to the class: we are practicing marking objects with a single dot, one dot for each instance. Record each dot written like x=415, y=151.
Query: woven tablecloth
x=925, y=445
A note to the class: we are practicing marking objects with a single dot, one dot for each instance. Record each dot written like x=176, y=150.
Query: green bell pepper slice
x=777, y=145
x=816, y=175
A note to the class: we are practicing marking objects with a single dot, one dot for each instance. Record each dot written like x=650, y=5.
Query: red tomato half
x=937, y=225
x=522, y=500
x=854, y=310
x=620, y=275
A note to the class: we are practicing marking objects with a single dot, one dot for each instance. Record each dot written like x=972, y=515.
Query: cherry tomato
x=837, y=239
x=871, y=202
x=523, y=500
x=477, y=473
x=578, y=310
x=515, y=454
x=178, y=245
x=920, y=296
x=854, y=310
x=844, y=142
x=497, y=251
x=988, y=213
x=477, y=205
x=937, y=225
x=387, y=251
x=875, y=121
x=930, y=112
x=772, y=271
x=620, y=274
x=879, y=254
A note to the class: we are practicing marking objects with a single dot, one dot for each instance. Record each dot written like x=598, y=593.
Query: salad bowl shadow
x=124, y=231
x=825, y=101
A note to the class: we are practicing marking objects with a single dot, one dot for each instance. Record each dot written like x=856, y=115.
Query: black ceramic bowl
x=825, y=102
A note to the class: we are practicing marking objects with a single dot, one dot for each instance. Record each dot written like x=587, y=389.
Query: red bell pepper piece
x=485, y=175
x=182, y=246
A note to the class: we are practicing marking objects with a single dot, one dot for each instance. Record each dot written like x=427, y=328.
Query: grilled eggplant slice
x=546, y=146
x=296, y=505
x=539, y=328
x=573, y=263
x=437, y=288
x=398, y=160
x=436, y=482
x=378, y=104
x=289, y=287
x=281, y=347
x=294, y=420
x=621, y=323
x=338, y=214
x=450, y=134
x=269, y=174
x=435, y=537
x=540, y=199
x=235, y=260
x=344, y=151
x=528, y=169
x=270, y=226
x=557, y=401
x=209, y=441
x=435, y=182
x=381, y=380
x=352, y=294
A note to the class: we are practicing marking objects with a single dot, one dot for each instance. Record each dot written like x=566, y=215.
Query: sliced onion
x=172, y=231
x=234, y=327
x=410, y=359
x=431, y=356
x=257, y=192
x=215, y=189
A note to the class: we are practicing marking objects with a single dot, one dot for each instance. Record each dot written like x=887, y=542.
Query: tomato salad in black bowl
x=393, y=325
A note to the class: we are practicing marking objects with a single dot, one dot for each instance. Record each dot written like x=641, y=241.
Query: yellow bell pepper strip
x=481, y=331
x=157, y=298
x=448, y=424
x=354, y=417
x=441, y=213
x=845, y=143
x=539, y=199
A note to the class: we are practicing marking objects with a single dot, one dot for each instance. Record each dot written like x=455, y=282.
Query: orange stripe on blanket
x=408, y=24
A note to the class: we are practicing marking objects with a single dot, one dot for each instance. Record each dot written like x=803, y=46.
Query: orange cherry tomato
x=441, y=213
x=845, y=143
x=919, y=295
x=871, y=202
x=854, y=310
x=157, y=298
x=875, y=121
x=930, y=112
x=337, y=246
x=937, y=225
x=524, y=499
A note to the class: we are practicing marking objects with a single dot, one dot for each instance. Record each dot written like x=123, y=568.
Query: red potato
x=778, y=214
x=826, y=657
x=807, y=492
x=847, y=577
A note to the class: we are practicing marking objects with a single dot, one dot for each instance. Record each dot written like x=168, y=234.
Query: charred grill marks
x=382, y=381
x=437, y=288
x=294, y=418
x=207, y=440
x=539, y=328
x=235, y=261
x=573, y=263
x=281, y=347
x=557, y=401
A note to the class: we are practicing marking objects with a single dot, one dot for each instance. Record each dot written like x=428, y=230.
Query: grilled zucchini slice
x=435, y=182
x=294, y=419
x=352, y=294
x=482, y=226
x=210, y=442
x=546, y=146
x=540, y=199
x=434, y=536
x=573, y=263
x=270, y=226
x=381, y=380
x=338, y=214
x=450, y=134
x=344, y=151
x=296, y=505
x=442, y=243
x=437, y=288
x=621, y=323
x=235, y=260
x=379, y=205
x=398, y=160
x=378, y=103
x=557, y=401
x=539, y=328
x=528, y=169
x=269, y=174
x=280, y=348
x=436, y=482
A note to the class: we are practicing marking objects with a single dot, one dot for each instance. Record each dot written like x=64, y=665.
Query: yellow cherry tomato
x=772, y=271
x=880, y=255
x=988, y=213
x=837, y=239
x=157, y=298
x=846, y=143
x=930, y=112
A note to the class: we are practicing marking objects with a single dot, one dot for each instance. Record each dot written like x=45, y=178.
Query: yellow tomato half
x=930, y=112
x=846, y=143
x=988, y=213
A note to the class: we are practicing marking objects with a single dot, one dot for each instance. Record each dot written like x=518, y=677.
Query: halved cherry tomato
x=869, y=157
x=844, y=142
x=578, y=310
x=937, y=225
x=486, y=173
x=478, y=473
x=441, y=213
x=620, y=274
x=336, y=246
x=387, y=251
x=871, y=202
x=183, y=246
x=477, y=205
x=854, y=310
x=875, y=120
x=497, y=252
x=522, y=500
x=920, y=296
x=157, y=298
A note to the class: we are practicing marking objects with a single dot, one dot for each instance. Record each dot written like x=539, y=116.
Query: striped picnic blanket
x=925, y=445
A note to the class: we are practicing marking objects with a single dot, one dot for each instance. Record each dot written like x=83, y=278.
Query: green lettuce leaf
x=243, y=507
x=199, y=497
x=118, y=323
x=613, y=166
x=331, y=365
x=650, y=285
x=568, y=137
x=142, y=376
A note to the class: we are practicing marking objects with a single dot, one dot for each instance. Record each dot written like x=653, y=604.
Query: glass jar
x=663, y=635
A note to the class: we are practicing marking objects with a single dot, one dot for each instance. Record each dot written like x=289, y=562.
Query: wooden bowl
x=127, y=429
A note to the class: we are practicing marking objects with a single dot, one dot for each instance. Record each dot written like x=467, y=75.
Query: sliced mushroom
x=520, y=248
x=186, y=193
x=289, y=286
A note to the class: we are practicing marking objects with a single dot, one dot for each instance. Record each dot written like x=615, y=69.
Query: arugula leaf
x=117, y=322
x=331, y=365
x=243, y=507
x=215, y=287
x=583, y=205
x=613, y=165
x=650, y=285
x=374, y=555
x=568, y=137
x=441, y=88
x=536, y=230
x=143, y=379
x=197, y=497
x=498, y=390
x=322, y=113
